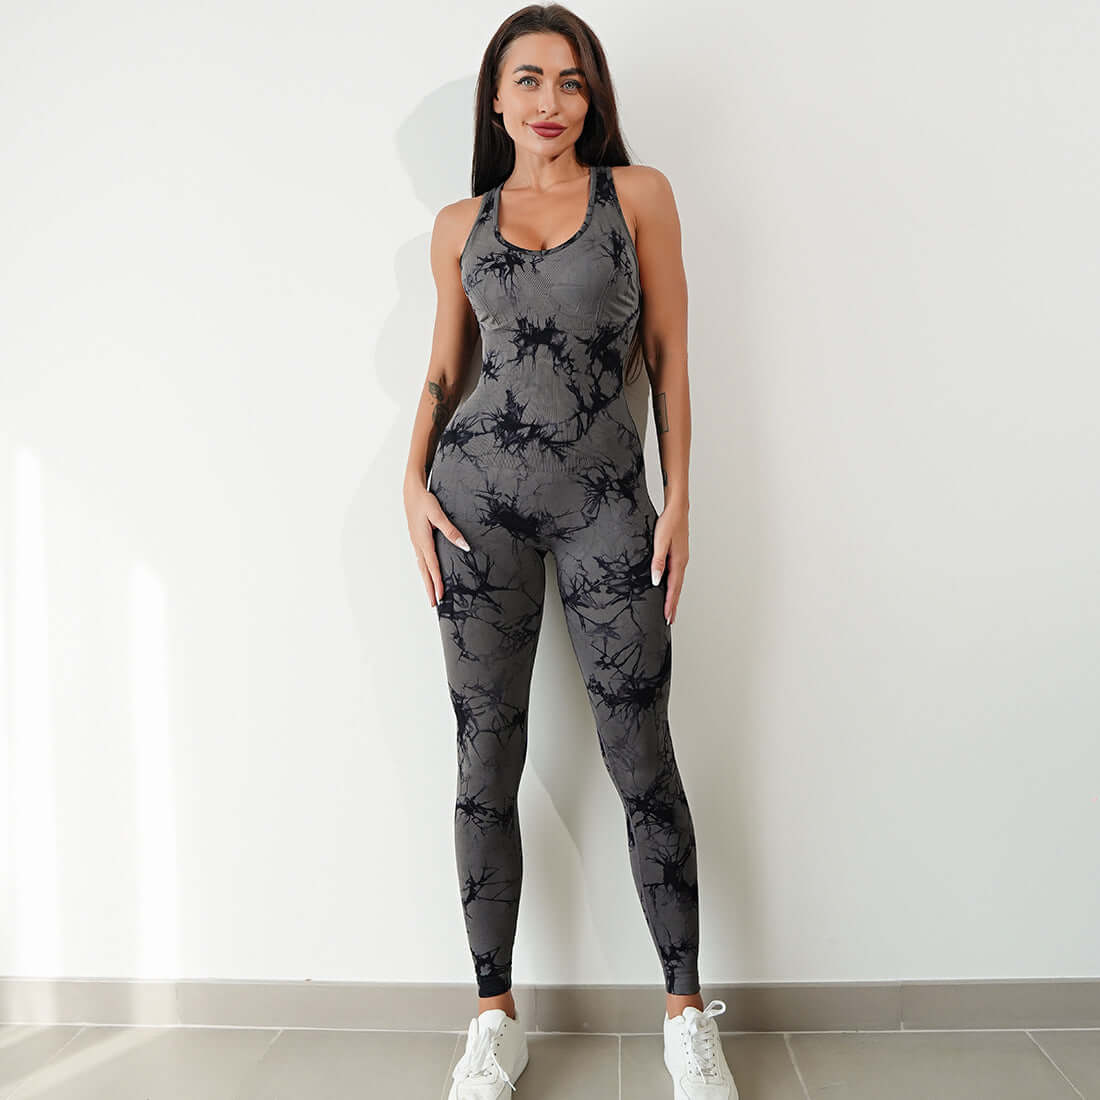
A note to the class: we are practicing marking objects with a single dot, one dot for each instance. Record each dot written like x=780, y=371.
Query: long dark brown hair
x=600, y=142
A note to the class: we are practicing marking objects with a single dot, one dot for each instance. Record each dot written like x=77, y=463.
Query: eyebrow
x=538, y=69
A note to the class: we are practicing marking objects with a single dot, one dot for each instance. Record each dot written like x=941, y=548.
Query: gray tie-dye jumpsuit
x=542, y=456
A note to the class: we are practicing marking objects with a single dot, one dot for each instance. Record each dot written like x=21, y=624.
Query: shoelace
x=480, y=1059
x=703, y=1041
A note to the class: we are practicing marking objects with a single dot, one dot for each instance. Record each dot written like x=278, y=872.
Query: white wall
x=230, y=748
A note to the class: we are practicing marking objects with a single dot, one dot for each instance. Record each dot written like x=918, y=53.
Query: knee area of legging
x=643, y=769
x=487, y=807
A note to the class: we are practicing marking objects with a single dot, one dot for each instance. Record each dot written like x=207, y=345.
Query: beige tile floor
x=197, y=1063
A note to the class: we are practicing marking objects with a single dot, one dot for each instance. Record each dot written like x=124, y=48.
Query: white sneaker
x=496, y=1054
x=694, y=1057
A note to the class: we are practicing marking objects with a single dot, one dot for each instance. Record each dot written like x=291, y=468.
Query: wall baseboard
x=1011, y=1004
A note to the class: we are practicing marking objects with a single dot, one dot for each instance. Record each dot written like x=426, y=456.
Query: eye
x=577, y=83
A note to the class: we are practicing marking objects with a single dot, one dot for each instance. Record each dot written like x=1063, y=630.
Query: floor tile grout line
x=13, y=1095
x=1057, y=1067
x=254, y=1071
x=794, y=1064
x=450, y=1068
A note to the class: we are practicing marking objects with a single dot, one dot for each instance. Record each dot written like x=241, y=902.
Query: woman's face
x=541, y=82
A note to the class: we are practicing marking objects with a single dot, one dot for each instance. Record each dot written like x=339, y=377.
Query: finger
x=426, y=577
x=440, y=519
x=672, y=597
x=437, y=578
x=657, y=566
x=431, y=565
x=672, y=600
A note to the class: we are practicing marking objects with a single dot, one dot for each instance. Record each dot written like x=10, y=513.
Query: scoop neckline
x=547, y=251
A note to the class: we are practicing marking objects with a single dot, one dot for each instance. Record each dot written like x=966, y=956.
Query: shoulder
x=453, y=224
x=455, y=215
x=643, y=183
x=645, y=195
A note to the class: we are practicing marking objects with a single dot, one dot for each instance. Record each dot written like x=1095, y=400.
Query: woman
x=543, y=456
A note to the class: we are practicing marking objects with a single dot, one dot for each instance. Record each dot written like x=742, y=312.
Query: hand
x=670, y=549
x=424, y=512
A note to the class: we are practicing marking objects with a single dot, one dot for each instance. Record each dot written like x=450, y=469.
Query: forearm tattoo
x=442, y=411
x=660, y=409
x=660, y=413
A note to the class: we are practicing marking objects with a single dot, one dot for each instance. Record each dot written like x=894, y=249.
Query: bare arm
x=453, y=339
x=664, y=344
x=664, y=328
x=452, y=343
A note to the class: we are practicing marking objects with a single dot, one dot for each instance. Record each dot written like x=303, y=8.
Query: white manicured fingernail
x=656, y=576
x=464, y=544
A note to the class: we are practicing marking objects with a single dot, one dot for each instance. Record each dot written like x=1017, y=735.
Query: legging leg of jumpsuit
x=490, y=616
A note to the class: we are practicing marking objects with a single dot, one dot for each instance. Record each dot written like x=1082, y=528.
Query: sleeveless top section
x=556, y=325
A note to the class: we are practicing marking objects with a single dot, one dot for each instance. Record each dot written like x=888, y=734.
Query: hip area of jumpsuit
x=601, y=505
